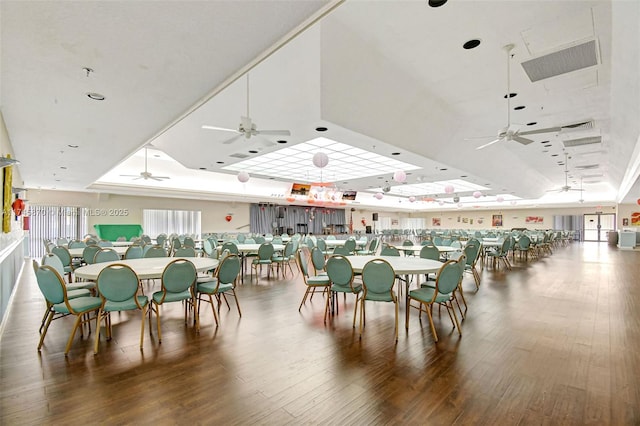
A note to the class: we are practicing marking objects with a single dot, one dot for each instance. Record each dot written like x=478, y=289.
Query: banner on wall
x=7, y=176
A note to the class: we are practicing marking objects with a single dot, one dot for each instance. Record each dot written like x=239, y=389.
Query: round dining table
x=146, y=268
x=77, y=252
x=402, y=265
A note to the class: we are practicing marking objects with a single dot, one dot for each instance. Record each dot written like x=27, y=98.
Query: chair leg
x=158, y=323
x=361, y=316
x=455, y=317
x=46, y=327
x=235, y=296
x=144, y=314
x=355, y=309
x=433, y=328
x=395, y=302
x=44, y=318
x=304, y=298
x=73, y=333
x=97, y=339
x=326, y=305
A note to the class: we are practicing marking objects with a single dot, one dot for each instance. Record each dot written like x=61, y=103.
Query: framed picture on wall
x=435, y=221
x=625, y=221
x=496, y=220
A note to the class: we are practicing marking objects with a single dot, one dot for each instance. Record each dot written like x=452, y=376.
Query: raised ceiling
x=383, y=76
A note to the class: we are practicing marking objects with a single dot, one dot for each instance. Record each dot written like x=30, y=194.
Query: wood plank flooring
x=553, y=341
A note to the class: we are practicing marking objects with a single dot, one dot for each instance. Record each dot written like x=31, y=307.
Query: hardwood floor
x=553, y=341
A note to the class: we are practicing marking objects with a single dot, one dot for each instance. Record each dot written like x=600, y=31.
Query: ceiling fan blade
x=523, y=141
x=135, y=176
x=536, y=132
x=274, y=132
x=219, y=128
x=159, y=178
x=233, y=139
x=490, y=143
x=478, y=137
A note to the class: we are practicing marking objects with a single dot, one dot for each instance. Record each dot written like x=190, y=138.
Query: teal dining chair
x=59, y=304
x=312, y=283
x=134, y=252
x=340, y=273
x=106, y=255
x=265, y=254
x=378, y=280
x=155, y=251
x=178, y=279
x=185, y=251
x=118, y=288
x=223, y=282
x=441, y=293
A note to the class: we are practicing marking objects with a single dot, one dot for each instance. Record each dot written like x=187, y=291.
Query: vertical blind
x=52, y=222
x=181, y=222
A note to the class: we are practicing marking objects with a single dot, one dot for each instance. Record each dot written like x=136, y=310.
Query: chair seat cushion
x=88, y=285
x=127, y=305
x=261, y=262
x=79, y=304
x=425, y=294
x=77, y=292
x=379, y=297
x=210, y=287
x=318, y=280
x=346, y=288
x=171, y=297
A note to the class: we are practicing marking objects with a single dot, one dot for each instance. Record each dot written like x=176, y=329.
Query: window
x=181, y=222
x=53, y=222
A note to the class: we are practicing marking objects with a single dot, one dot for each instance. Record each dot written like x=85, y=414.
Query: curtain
x=52, y=222
x=181, y=222
x=263, y=219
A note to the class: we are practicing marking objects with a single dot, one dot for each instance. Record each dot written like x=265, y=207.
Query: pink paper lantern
x=441, y=203
x=412, y=199
x=500, y=199
x=449, y=189
x=399, y=176
x=378, y=195
x=243, y=177
x=477, y=194
x=320, y=159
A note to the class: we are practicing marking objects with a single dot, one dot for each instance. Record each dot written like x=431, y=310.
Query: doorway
x=597, y=226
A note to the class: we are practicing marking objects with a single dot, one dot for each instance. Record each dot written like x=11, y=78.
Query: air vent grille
x=570, y=143
x=588, y=167
x=561, y=62
x=238, y=155
x=580, y=125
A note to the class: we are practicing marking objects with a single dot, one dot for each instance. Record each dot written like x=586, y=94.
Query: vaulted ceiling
x=384, y=76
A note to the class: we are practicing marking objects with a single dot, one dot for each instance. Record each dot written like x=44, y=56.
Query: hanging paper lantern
x=412, y=199
x=399, y=176
x=228, y=218
x=378, y=195
x=500, y=199
x=243, y=177
x=320, y=159
x=477, y=194
x=449, y=189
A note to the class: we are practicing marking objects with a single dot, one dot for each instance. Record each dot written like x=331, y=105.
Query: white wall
x=213, y=212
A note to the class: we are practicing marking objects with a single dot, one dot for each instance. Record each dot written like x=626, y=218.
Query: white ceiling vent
x=563, y=61
x=580, y=125
x=239, y=155
x=571, y=143
x=588, y=167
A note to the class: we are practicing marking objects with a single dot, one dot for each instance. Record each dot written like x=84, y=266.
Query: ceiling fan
x=512, y=131
x=566, y=187
x=247, y=127
x=147, y=174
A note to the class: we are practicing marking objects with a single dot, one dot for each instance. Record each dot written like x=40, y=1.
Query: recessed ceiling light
x=548, y=145
x=487, y=184
x=345, y=183
x=463, y=176
x=253, y=151
x=554, y=155
x=271, y=178
x=156, y=155
x=543, y=142
x=533, y=123
x=443, y=169
x=436, y=3
x=511, y=95
x=73, y=146
x=395, y=153
x=63, y=167
x=545, y=150
x=203, y=168
x=282, y=141
x=95, y=96
x=519, y=107
x=471, y=44
x=379, y=177
x=219, y=162
x=321, y=129
x=57, y=180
